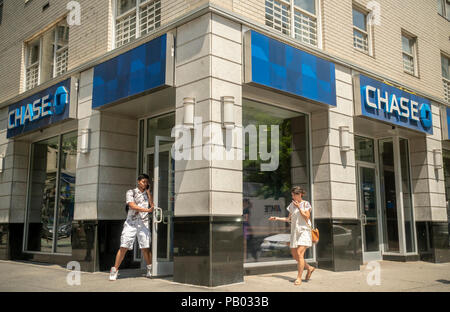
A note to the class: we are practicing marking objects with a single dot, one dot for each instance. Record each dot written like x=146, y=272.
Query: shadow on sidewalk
x=443, y=281
x=137, y=273
x=287, y=278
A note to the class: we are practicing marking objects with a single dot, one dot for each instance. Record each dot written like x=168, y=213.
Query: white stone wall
x=13, y=179
x=428, y=183
x=108, y=170
x=86, y=188
x=334, y=171
x=208, y=66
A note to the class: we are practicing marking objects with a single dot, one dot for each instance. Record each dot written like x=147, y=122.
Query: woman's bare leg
x=294, y=254
x=301, y=264
x=309, y=268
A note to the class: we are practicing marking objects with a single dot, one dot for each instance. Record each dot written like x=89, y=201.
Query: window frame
x=414, y=54
x=28, y=50
x=445, y=80
x=137, y=12
x=292, y=9
x=57, y=50
x=57, y=194
x=367, y=32
x=315, y=16
x=40, y=37
x=445, y=5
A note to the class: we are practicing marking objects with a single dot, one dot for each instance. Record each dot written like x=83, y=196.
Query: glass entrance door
x=389, y=195
x=160, y=163
x=369, y=211
x=398, y=215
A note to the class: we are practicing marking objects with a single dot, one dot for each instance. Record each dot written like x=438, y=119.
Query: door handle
x=158, y=213
x=364, y=219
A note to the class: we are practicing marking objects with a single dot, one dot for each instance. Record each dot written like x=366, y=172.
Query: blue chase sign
x=40, y=110
x=142, y=69
x=381, y=101
x=277, y=65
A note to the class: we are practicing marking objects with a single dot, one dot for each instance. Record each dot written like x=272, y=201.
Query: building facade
x=226, y=105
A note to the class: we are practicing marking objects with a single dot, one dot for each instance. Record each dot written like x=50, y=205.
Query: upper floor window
x=409, y=54
x=361, y=32
x=296, y=18
x=135, y=18
x=444, y=8
x=47, y=55
x=445, y=62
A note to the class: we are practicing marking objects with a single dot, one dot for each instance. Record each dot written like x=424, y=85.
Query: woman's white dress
x=300, y=231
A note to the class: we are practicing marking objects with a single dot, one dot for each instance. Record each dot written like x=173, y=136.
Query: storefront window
x=389, y=195
x=446, y=157
x=161, y=126
x=407, y=201
x=51, y=194
x=364, y=149
x=267, y=193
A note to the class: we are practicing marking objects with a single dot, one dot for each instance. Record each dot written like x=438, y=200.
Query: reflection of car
x=65, y=230
x=276, y=242
x=47, y=231
x=342, y=236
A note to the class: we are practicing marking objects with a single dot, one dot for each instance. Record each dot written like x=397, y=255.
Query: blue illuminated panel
x=131, y=73
x=39, y=110
x=448, y=121
x=395, y=106
x=277, y=65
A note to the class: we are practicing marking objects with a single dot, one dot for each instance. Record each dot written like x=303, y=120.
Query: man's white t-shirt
x=140, y=199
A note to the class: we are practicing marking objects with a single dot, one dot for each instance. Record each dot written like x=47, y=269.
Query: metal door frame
x=163, y=268
x=371, y=255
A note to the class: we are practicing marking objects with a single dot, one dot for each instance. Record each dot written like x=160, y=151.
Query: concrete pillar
x=428, y=186
x=13, y=190
x=208, y=238
x=335, y=195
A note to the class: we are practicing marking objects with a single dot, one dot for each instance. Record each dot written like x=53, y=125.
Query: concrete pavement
x=394, y=276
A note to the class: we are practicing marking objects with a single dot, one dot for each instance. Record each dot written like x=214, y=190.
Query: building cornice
x=215, y=9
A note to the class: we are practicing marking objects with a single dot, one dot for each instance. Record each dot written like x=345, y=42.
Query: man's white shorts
x=133, y=228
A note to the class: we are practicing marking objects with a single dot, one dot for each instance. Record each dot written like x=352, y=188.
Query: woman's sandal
x=298, y=281
x=308, y=275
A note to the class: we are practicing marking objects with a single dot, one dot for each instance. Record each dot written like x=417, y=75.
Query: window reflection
x=48, y=219
x=267, y=193
x=66, y=192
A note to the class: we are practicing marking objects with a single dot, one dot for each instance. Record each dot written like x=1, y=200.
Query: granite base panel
x=94, y=245
x=340, y=245
x=433, y=241
x=401, y=258
x=4, y=241
x=208, y=251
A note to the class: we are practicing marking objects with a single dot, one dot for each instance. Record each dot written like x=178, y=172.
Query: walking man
x=137, y=224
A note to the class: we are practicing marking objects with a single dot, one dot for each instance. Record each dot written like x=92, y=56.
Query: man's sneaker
x=113, y=274
x=149, y=271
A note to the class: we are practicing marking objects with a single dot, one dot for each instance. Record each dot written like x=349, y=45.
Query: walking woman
x=299, y=217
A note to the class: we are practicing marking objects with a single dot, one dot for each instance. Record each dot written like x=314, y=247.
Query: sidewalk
x=394, y=276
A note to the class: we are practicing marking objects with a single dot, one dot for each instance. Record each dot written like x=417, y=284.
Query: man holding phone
x=137, y=224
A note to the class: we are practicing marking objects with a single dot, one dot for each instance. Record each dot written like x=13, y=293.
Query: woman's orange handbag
x=314, y=235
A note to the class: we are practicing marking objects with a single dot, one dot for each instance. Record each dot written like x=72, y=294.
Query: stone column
x=335, y=196
x=208, y=236
x=13, y=191
x=104, y=174
x=428, y=187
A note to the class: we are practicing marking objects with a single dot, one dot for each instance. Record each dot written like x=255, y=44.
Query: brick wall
x=418, y=17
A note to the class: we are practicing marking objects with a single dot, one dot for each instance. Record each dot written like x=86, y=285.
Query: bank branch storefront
x=358, y=146
x=391, y=130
